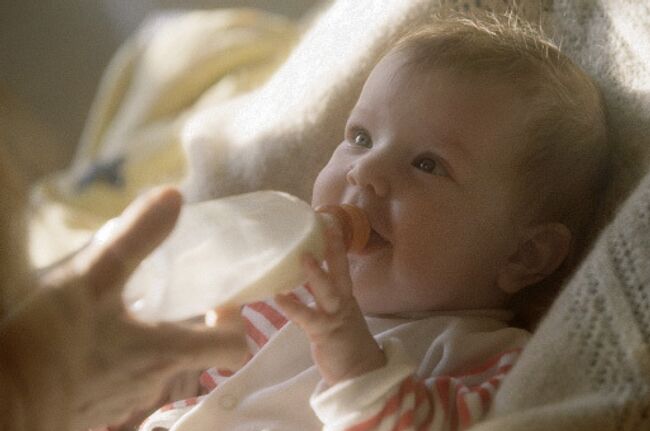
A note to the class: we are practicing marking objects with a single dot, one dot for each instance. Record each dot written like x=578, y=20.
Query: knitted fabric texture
x=588, y=365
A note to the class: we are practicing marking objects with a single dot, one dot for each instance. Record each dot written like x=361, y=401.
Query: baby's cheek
x=324, y=189
x=330, y=193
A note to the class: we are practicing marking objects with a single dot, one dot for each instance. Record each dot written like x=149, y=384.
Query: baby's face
x=429, y=156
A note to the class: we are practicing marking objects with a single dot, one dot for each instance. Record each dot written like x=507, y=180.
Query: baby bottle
x=235, y=250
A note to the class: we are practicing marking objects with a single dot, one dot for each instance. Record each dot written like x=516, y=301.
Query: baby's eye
x=361, y=138
x=430, y=165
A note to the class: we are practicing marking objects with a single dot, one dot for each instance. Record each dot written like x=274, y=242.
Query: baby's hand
x=341, y=343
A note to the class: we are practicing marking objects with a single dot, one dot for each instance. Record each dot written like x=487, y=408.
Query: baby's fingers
x=337, y=262
x=297, y=312
x=321, y=286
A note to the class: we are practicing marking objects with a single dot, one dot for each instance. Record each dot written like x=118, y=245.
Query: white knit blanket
x=587, y=366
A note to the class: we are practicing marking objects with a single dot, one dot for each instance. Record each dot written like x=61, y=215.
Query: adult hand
x=72, y=357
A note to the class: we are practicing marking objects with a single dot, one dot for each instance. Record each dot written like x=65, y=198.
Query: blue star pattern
x=109, y=172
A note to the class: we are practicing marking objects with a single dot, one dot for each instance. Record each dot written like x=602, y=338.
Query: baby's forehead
x=480, y=113
x=443, y=85
x=399, y=68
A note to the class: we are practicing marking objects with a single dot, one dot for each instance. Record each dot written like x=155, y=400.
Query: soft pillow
x=280, y=135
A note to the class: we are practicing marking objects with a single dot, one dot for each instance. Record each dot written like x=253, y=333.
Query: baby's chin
x=376, y=307
x=382, y=300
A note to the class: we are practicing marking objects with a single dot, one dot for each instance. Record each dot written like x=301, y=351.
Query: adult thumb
x=122, y=243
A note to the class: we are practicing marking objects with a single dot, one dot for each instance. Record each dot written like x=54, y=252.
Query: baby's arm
x=394, y=398
x=341, y=343
x=367, y=388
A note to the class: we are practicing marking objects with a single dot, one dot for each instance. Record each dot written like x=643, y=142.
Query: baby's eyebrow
x=454, y=154
x=360, y=109
x=460, y=147
x=450, y=146
x=359, y=116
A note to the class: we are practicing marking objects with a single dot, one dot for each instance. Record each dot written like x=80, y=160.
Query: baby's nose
x=371, y=175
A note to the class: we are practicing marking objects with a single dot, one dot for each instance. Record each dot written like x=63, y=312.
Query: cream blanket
x=588, y=365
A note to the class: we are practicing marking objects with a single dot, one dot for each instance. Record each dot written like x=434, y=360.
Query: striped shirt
x=442, y=373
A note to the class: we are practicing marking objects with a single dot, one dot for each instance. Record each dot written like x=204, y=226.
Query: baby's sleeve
x=394, y=398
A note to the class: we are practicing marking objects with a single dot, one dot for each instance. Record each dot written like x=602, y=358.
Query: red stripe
x=495, y=382
x=420, y=393
x=504, y=369
x=427, y=421
x=464, y=416
x=207, y=382
x=258, y=337
x=269, y=313
x=225, y=372
x=421, y=397
x=442, y=386
x=490, y=363
x=191, y=401
x=486, y=397
x=180, y=404
x=405, y=421
x=389, y=408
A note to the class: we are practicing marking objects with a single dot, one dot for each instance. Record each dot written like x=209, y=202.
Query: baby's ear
x=540, y=253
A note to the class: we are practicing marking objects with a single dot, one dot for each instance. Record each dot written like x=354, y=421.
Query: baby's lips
x=354, y=225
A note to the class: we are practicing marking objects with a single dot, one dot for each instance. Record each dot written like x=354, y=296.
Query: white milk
x=227, y=251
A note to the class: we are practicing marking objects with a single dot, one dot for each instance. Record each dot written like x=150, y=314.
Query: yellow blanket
x=173, y=67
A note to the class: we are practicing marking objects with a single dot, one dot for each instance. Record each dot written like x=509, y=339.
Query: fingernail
x=108, y=231
x=165, y=198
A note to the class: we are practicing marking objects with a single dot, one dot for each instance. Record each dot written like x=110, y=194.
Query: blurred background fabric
x=52, y=56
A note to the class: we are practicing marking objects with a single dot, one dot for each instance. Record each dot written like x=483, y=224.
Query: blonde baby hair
x=563, y=160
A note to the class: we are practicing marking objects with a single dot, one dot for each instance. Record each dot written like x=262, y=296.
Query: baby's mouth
x=375, y=242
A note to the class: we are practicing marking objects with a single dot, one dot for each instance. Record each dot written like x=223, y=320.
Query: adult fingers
x=226, y=318
x=120, y=246
x=183, y=347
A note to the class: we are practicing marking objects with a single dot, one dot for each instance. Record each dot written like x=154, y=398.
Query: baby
x=476, y=149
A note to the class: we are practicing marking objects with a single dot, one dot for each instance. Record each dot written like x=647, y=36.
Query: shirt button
x=228, y=402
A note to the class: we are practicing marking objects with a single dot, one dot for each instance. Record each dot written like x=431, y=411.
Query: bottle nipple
x=354, y=225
